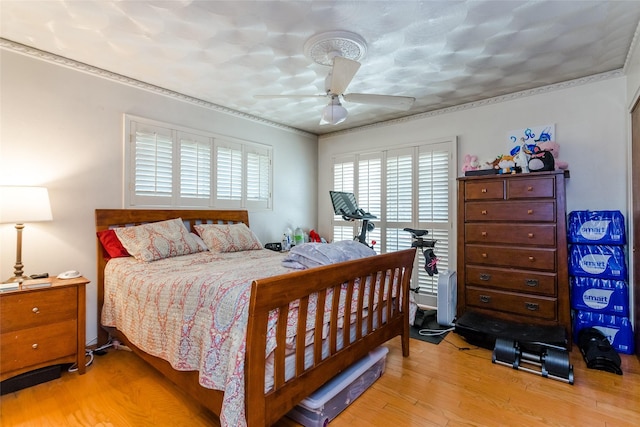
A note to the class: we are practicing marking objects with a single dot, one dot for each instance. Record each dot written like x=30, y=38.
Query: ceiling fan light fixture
x=334, y=113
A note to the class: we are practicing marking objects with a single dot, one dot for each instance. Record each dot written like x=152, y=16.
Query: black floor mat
x=427, y=319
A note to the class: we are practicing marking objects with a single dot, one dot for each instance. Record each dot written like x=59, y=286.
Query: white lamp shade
x=334, y=113
x=19, y=205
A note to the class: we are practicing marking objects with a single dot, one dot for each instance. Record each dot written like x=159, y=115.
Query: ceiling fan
x=341, y=74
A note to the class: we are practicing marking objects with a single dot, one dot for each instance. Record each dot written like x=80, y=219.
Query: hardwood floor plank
x=438, y=385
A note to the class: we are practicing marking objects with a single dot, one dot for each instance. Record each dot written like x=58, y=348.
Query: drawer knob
x=36, y=310
x=34, y=346
x=483, y=212
x=530, y=235
x=484, y=234
x=484, y=190
x=530, y=211
x=531, y=282
x=532, y=259
x=529, y=188
x=531, y=306
x=484, y=255
x=485, y=299
x=485, y=277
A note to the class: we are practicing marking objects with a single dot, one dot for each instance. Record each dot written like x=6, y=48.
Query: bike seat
x=417, y=233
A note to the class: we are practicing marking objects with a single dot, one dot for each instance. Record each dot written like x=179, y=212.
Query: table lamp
x=19, y=205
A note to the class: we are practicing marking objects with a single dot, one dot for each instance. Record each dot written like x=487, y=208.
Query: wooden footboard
x=379, y=317
x=387, y=317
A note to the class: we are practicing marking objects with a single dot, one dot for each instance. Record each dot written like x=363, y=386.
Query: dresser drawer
x=32, y=346
x=515, y=257
x=521, y=234
x=540, y=211
x=28, y=309
x=533, y=306
x=531, y=188
x=535, y=282
x=484, y=190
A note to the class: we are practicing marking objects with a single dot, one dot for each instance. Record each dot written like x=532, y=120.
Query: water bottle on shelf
x=298, y=236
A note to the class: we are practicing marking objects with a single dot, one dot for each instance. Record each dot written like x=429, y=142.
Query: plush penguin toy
x=541, y=160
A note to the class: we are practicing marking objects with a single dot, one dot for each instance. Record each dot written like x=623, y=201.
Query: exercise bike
x=426, y=245
x=345, y=205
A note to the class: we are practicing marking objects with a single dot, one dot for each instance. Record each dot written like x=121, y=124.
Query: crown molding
x=119, y=78
x=489, y=101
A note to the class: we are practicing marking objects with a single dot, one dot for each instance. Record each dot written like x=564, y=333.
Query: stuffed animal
x=554, y=148
x=522, y=159
x=541, y=160
x=506, y=164
x=470, y=163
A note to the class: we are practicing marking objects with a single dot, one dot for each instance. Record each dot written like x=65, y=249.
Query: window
x=411, y=186
x=170, y=166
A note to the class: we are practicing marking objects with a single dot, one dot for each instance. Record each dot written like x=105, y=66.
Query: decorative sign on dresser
x=512, y=250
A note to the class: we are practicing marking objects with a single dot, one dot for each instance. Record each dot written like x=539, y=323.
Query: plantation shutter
x=228, y=174
x=152, y=156
x=195, y=169
x=369, y=194
x=258, y=178
x=343, y=180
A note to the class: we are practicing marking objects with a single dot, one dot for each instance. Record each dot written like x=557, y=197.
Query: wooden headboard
x=113, y=218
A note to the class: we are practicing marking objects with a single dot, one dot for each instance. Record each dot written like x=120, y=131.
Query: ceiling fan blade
x=396, y=102
x=288, y=96
x=343, y=72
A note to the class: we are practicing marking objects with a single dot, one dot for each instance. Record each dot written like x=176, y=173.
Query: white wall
x=62, y=129
x=590, y=128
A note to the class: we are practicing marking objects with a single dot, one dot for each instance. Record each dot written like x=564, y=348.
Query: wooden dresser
x=41, y=327
x=512, y=248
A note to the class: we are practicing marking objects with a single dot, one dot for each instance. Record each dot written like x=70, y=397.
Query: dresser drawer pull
x=532, y=259
x=484, y=190
x=531, y=306
x=529, y=211
x=529, y=188
x=531, y=282
x=36, y=310
x=483, y=212
x=485, y=299
x=486, y=277
x=530, y=235
x=484, y=255
x=34, y=346
x=484, y=234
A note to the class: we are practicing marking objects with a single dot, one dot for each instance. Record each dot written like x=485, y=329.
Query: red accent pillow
x=111, y=245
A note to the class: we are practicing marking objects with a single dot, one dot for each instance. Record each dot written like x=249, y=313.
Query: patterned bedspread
x=192, y=311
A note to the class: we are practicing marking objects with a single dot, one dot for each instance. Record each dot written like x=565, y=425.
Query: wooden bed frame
x=267, y=294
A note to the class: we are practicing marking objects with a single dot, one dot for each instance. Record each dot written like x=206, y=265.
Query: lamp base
x=16, y=279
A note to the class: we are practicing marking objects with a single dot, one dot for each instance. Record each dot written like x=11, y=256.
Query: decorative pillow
x=111, y=244
x=158, y=240
x=201, y=244
x=228, y=237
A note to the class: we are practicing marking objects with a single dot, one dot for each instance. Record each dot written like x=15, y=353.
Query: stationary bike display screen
x=343, y=203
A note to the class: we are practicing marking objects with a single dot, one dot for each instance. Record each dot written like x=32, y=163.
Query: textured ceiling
x=443, y=53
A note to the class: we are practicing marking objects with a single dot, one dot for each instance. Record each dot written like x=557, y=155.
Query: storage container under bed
x=332, y=398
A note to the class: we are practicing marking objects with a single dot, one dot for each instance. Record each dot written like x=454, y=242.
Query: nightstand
x=42, y=326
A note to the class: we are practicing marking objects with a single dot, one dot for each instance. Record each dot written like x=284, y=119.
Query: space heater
x=446, y=298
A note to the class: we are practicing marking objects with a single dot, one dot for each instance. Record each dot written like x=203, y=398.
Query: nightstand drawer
x=30, y=347
x=29, y=309
x=526, y=305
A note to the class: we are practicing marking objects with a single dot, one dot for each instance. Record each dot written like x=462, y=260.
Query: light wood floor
x=438, y=385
